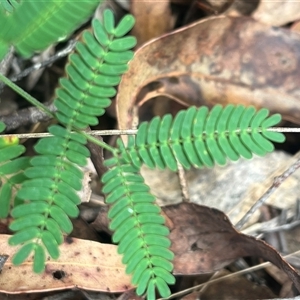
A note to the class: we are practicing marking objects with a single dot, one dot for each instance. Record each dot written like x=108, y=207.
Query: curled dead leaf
x=204, y=240
x=226, y=60
x=153, y=18
x=277, y=13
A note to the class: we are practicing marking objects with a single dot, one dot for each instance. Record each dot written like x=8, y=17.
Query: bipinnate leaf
x=54, y=176
x=199, y=138
x=45, y=217
x=43, y=23
x=11, y=169
x=94, y=69
x=139, y=228
x=195, y=137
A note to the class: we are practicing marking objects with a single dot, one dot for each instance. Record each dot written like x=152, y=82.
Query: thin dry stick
x=93, y=132
x=64, y=52
x=117, y=132
x=205, y=287
x=183, y=183
x=6, y=62
x=276, y=183
x=26, y=116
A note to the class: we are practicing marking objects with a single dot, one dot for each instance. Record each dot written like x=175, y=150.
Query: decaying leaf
x=215, y=7
x=82, y=264
x=219, y=60
x=153, y=18
x=235, y=288
x=276, y=163
x=204, y=240
x=233, y=188
x=277, y=13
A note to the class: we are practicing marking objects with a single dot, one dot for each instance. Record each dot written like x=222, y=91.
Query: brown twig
x=97, y=157
x=26, y=116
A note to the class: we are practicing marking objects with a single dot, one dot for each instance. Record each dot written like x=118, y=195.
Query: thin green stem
x=36, y=103
x=25, y=95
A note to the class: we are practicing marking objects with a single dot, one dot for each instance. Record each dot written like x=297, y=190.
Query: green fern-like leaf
x=197, y=137
x=53, y=180
x=34, y=25
x=54, y=176
x=94, y=69
x=139, y=229
x=11, y=170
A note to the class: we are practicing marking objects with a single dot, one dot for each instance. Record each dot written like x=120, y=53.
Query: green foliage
x=49, y=194
x=31, y=26
x=138, y=228
x=8, y=6
x=93, y=70
x=197, y=137
x=11, y=170
x=47, y=198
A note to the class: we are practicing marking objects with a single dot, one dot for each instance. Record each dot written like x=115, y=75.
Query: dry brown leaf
x=235, y=288
x=296, y=27
x=277, y=13
x=182, y=2
x=82, y=264
x=220, y=60
x=152, y=19
x=276, y=163
x=215, y=7
x=83, y=230
x=204, y=240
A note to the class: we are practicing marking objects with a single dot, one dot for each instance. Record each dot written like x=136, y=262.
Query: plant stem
x=97, y=142
x=36, y=103
x=25, y=95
